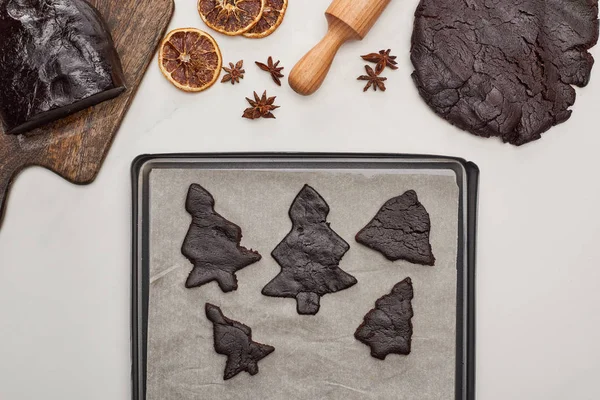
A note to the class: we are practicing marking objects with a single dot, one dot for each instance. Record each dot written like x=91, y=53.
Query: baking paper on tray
x=316, y=357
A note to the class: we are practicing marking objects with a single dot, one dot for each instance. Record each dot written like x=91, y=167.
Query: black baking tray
x=467, y=175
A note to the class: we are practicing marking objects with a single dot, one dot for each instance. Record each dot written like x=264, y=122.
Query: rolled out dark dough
x=212, y=244
x=309, y=256
x=400, y=230
x=503, y=67
x=234, y=340
x=387, y=329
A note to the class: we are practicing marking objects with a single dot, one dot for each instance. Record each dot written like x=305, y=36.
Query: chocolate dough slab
x=234, y=340
x=56, y=57
x=503, y=67
x=212, y=244
x=309, y=256
x=387, y=329
x=400, y=231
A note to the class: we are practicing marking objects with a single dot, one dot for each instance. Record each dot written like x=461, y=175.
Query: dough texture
x=234, y=340
x=56, y=57
x=309, y=256
x=503, y=68
x=212, y=244
x=400, y=231
x=388, y=327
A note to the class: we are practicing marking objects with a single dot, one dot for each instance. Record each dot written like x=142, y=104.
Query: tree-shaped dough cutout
x=400, y=231
x=212, y=244
x=387, y=329
x=309, y=256
x=234, y=340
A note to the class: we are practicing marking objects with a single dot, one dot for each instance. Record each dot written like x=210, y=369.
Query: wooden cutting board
x=75, y=147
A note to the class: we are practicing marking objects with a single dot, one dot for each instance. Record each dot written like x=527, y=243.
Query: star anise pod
x=273, y=69
x=234, y=73
x=373, y=80
x=261, y=107
x=383, y=59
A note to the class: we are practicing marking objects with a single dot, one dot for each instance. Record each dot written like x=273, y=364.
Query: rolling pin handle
x=308, y=74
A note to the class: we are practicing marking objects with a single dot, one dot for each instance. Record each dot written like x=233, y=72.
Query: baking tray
x=465, y=173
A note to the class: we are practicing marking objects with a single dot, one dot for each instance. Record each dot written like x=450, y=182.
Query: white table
x=65, y=250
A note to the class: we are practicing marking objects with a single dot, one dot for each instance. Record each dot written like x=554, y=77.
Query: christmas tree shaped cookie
x=309, y=256
x=234, y=340
x=212, y=244
x=387, y=329
x=400, y=231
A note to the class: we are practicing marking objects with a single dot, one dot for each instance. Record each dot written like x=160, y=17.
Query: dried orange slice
x=272, y=17
x=231, y=17
x=190, y=59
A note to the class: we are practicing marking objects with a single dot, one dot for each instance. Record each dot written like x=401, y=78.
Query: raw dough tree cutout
x=234, y=340
x=400, y=231
x=309, y=256
x=387, y=329
x=212, y=244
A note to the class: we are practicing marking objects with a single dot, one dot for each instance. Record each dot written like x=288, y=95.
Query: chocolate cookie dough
x=57, y=57
x=212, y=244
x=400, y=231
x=234, y=340
x=387, y=329
x=309, y=256
x=503, y=67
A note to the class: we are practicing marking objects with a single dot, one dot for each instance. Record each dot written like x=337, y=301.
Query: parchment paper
x=316, y=357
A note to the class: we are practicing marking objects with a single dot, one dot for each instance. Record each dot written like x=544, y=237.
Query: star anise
x=261, y=107
x=373, y=80
x=273, y=69
x=383, y=59
x=234, y=73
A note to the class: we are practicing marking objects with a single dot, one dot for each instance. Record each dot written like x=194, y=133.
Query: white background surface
x=65, y=250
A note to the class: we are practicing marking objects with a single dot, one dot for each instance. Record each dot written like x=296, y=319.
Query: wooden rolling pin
x=348, y=20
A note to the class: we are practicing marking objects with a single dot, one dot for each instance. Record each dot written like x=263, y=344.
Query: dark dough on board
x=309, y=256
x=234, y=340
x=400, y=231
x=503, y=67
x=57, y=57
x=212, y=244
x=387, y=329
